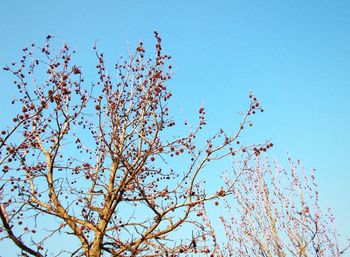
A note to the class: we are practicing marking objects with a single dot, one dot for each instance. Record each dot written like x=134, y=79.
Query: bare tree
x=99, y=164
x=275, y=212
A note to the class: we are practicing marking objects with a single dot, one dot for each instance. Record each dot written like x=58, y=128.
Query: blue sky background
x=294, y=55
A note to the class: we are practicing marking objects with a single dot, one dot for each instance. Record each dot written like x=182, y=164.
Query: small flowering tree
x=275, y=212
x=98, y=163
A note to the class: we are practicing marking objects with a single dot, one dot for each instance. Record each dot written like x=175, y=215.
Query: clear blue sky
x=294, y=55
